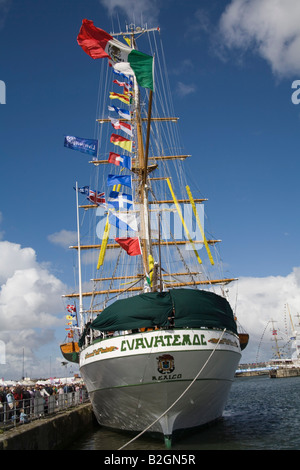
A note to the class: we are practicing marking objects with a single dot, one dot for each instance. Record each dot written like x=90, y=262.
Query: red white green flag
x=98, y=44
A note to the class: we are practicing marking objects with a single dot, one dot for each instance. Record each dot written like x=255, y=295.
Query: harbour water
x=261, y=414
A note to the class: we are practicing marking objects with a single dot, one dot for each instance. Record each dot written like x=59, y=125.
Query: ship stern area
x=163, y=381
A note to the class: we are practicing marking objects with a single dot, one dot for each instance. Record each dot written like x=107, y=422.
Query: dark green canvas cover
x=193, y=309
x=141, y=311
x=200, y=308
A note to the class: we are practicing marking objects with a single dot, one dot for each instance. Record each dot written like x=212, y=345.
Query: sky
x=233, y=69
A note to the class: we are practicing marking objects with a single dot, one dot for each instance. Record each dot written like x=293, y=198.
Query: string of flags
x=71, y=317
x=97, y=43
x=71, y=309
x=121, y=202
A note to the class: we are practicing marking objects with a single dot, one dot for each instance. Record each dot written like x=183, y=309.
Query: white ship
x=158, y=341
x=286, y=363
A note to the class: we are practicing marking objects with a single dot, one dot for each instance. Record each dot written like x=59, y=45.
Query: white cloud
x=261, y=300
x=14, y=257
x=185, y=89
x=4, y=9
x=64, y=238
x=29, y=298
x=270, y=28
x=28, y=345
x=30, y=302
x=1, y=231
x=136, y=11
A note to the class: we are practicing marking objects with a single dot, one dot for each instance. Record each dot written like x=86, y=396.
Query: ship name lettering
x=139, y=342
x=98, y=351
x=167, y=377
x=149, y=344
x=168, y=339
x=176, y=340
x=163, y=341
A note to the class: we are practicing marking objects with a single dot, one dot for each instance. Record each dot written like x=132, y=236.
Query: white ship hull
x=134, y=379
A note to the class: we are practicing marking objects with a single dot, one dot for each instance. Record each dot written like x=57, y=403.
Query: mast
x=79, y=264
x=142, y=167
x=142, y=192
x=142, y=158
x=296, y=334
x=274, y=334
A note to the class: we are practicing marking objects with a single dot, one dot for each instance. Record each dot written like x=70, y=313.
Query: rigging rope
x=179, y=398
x=256, y=359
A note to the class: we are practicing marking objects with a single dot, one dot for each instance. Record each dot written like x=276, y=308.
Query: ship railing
x=29, y=409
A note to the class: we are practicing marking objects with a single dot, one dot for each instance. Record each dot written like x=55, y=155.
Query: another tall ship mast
x=153, y=346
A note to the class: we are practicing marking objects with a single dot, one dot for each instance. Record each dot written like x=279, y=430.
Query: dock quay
x=254, y=369
x=279, y=368
x=282, y=372
x=43, y=417
x=53, y=432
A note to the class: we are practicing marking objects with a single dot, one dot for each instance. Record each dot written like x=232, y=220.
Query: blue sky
x=231, y=68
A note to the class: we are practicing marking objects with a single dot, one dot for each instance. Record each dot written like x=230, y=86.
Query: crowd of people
x=19, y=404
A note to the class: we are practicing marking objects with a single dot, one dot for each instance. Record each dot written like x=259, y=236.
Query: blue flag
x=120, y=200
x=125, y=161
x=83, y=190
x=89, y=146
x=115, y=179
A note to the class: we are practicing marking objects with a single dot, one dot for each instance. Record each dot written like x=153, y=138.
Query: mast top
x=132, y=29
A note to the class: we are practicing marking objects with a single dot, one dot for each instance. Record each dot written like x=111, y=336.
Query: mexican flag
x=98, y=44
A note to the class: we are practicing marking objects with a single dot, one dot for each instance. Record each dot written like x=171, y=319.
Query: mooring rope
x=179, y=398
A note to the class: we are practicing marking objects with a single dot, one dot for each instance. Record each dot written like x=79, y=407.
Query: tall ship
x=286, y=360
x=154, y=335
